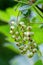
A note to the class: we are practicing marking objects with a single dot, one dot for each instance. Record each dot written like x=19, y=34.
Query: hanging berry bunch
x=22, y=35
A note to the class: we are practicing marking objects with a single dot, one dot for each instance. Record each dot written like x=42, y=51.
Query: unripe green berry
x=21, y=23
x=13, y=36
x=35, y=44
x=12, y=27
x=11, y=32
x=30, y=55
x=34, y=50
x=22, y=52
x=29, y=28
x=17, y=32
x=23, y=26
x=12, y=22
x=21, y=47
x=18, y=44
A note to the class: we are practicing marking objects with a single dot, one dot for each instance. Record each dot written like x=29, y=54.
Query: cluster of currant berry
x=22, y=35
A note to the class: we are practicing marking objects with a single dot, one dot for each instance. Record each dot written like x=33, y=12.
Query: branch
x=22, y=2
x=38, y=11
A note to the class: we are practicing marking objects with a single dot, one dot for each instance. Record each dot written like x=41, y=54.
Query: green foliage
x=28, y=12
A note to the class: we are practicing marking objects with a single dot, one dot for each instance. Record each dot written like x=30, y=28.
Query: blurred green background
x=9, y=53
